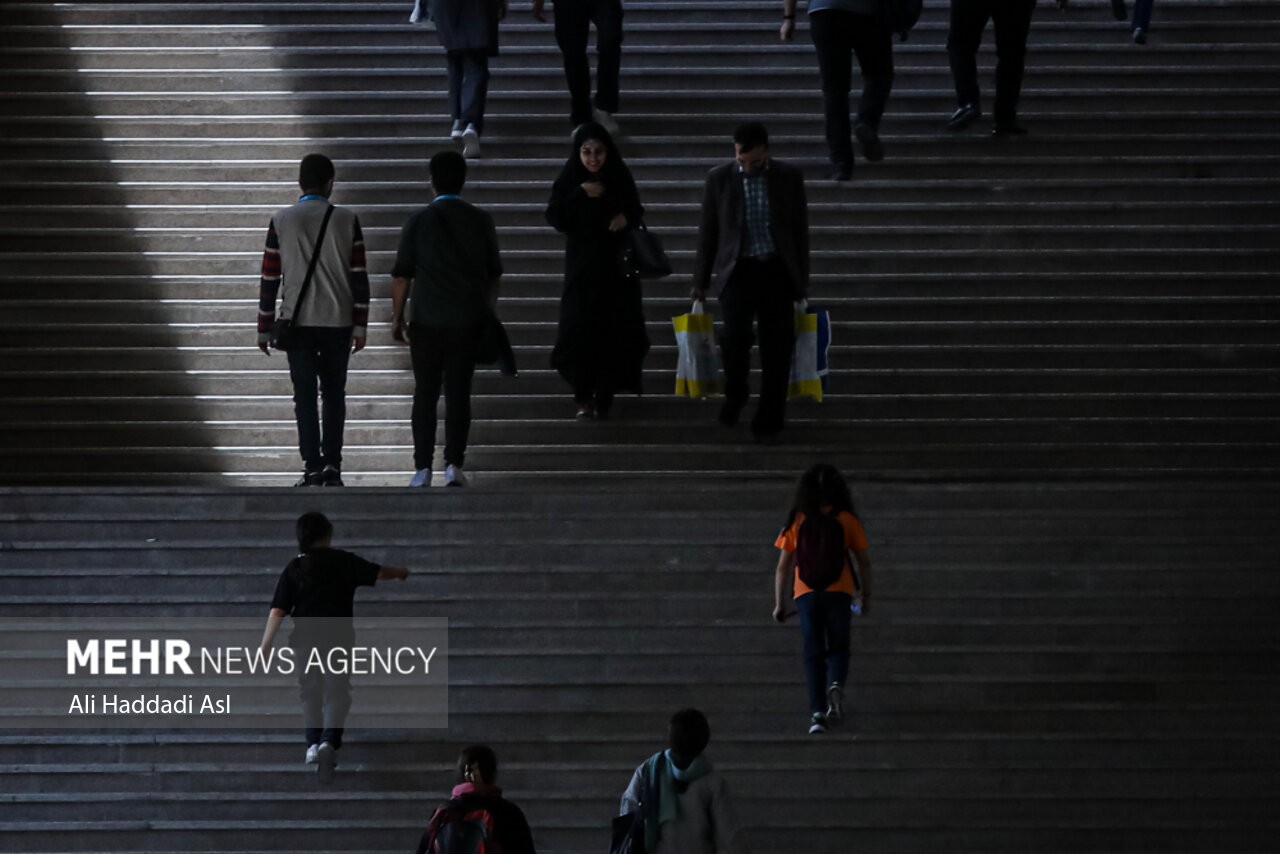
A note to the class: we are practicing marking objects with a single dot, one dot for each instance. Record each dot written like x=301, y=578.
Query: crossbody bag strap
x=311, y=267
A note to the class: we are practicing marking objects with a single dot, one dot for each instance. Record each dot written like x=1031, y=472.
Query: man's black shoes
x=1008, y=129
x=841, y=172
x=869, y=141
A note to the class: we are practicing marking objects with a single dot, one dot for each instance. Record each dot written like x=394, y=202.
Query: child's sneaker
x=313, y=754
x=835, y=703
x=818, y=724
x=326, y=762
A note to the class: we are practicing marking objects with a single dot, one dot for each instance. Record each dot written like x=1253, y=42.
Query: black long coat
x=601, y=319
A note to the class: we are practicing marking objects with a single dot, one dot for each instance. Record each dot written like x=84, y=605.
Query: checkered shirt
x=756, y=189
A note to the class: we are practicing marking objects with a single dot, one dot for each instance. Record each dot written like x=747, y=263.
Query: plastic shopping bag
x=698, y=372
x=809, y=360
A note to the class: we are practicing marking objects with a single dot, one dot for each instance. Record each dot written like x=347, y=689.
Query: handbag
x=809, y=358
x=284, y=336
x=698, y=369
x=642, y=254
x=628, y=829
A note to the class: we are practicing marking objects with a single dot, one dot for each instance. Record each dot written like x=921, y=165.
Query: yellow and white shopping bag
x=698, y=373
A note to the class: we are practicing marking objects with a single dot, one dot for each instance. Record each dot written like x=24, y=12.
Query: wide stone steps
x=1142, y=203
x=1105, y=647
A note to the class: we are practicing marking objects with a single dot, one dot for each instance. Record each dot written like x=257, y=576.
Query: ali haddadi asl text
x=149, y=704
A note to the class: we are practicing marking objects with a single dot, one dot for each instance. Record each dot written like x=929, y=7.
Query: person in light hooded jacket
x=694, y=813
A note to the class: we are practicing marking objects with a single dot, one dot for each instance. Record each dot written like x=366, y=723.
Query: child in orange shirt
x=824, y=611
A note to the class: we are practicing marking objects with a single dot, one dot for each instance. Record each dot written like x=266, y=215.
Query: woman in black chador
x=601, y=341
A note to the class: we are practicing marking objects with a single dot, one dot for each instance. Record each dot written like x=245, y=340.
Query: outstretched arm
x=392, y=573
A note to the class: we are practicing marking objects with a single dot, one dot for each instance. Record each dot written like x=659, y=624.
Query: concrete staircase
x=1097, y=299
x=1052, y=668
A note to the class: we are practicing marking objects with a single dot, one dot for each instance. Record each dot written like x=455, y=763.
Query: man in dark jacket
x=449, y=256
x=754, y=240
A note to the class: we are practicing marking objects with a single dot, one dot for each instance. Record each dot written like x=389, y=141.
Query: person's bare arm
x=788, y=29
x=781, y=580
x=274, y=619
x=399, y=295
x=864, y=575
x=392, y=573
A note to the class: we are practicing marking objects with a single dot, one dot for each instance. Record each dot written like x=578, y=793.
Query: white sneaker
x=607, y=121
x=421, y=477
x=835, y=703
x=313, y=754
x=470, y=142
x=817, y=724
x=326, y=762
x=456, y=132
x=453, y=476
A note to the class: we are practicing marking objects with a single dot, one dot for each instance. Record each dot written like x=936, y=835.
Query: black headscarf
x=613, y=164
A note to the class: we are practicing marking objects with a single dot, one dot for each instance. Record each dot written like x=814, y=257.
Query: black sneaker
x=311, y=478
x=331, y=476
x=817, y=724
x=326, y=762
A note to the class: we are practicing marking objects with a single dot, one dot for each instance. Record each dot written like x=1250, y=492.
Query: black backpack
x=457, y=830
x=821, y=553
x=901, y=15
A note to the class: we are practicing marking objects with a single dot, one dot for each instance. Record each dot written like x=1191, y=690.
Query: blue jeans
x=320, y=360
x=824, y=621
x=468, y=86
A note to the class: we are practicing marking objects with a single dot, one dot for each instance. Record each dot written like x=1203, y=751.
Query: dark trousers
x=758, y=291
x=824, y=622
x=468, y=85
x=326, y=699
x=442, y=354
x=320, y=363
x=593, y=379
x=1012, y=20
x=573, y=24
x=838, y=36
x=1142, y=13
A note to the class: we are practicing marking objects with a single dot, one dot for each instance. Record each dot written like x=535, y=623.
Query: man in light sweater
x=330, y=323
x=687, y=809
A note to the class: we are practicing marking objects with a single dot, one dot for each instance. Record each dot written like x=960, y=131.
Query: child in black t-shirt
x=321, y=582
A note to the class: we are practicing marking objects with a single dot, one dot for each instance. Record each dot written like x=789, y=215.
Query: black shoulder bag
x=284, y=336
x=642, y=254
x=628, y=829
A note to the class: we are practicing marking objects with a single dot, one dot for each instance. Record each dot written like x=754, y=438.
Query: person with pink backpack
x=824, y=561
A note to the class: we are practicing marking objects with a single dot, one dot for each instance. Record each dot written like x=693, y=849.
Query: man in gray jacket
x=688, y=809
x=753, y=241
x=329, y=322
